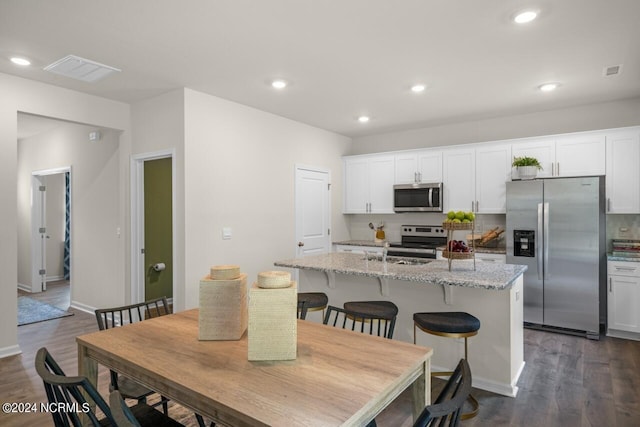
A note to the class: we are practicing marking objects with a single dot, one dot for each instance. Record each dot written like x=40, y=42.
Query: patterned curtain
x=67, y=228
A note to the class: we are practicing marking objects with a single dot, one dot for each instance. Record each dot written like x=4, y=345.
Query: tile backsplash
x=622, y=227
x=359, y=224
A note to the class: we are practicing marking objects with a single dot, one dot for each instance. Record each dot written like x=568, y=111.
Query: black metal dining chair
x=118, y=316
x=446, y=409
x=380, y=324
x=79, y=398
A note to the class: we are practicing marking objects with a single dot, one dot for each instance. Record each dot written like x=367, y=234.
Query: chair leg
x=201, y=421
x=165, y=405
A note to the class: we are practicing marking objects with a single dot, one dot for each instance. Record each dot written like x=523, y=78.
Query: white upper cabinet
x=493, y=170
x=419, y=166
x=580, y=155
x=543, y=149
x=566, y=155
x=459, y=179
x=623, y=172
x=368, y=186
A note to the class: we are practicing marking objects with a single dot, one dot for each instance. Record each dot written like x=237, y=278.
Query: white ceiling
x=343, y=58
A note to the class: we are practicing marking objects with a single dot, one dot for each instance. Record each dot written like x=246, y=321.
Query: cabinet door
x=381, y=179
x=543, y=150
x=459, y=174
x=624, y=303
x=356, y=185
x=623, y=172
x=580, y=155
x=406, y=168
x=493, y=170
x=430, y=166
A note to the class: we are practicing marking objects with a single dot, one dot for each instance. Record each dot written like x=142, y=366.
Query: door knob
x=301, y=244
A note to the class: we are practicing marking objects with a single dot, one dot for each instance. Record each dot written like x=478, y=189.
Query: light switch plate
x=226, y=233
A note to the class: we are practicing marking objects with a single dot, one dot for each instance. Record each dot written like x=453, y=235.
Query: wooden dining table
x=339, y=377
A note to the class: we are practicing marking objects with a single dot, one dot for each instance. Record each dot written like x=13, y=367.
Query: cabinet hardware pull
x=608, y=204
x=610, y=280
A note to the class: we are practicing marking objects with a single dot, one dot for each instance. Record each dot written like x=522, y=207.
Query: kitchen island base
x=496, y=354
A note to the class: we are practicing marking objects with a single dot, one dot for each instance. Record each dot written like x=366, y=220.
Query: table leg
x=421, y=390
x=87, y=367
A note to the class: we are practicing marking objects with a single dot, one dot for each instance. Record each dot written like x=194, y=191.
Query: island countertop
x=485, y=276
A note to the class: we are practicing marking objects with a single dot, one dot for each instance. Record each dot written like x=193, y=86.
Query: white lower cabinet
x=357, y=249
x=623, y=299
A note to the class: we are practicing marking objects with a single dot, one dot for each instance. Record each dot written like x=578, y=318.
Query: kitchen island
x=491, y=292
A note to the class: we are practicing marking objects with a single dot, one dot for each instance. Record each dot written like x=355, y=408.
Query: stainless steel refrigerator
x=556, y=227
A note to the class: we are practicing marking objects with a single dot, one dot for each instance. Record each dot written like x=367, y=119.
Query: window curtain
x=67, y=228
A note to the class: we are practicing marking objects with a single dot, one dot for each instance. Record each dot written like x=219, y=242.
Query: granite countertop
x=485, y=276
x=381, y=244
x=622, y=258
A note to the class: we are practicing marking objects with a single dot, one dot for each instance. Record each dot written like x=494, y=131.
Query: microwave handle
x=430, y=197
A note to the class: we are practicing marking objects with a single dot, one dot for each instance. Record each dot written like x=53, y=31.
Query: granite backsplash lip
x=485, y=276
x=622, y=258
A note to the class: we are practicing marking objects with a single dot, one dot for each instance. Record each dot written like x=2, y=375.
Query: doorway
x=50, y=227
x=152, y=229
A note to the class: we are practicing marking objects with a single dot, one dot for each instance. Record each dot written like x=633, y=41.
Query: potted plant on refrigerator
x=527, y=167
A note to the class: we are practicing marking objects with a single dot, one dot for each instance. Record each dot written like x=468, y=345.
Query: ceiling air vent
x=612, y=70
x=80, y=69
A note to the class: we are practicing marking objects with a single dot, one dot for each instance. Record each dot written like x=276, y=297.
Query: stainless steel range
x=419, y=241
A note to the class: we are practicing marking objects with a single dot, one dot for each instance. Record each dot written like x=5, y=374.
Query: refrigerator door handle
x=539, y=242
x=546, y=240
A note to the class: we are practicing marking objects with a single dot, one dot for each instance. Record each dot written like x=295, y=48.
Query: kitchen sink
x=399, y=260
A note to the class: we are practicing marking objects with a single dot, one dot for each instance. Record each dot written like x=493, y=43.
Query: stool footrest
x=475, y=406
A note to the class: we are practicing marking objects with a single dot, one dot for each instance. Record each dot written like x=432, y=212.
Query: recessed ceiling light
x=418, y=88
x=548, y=87
x=20, y=61
x=279, y=84
x=525, y=16
x=363, y=119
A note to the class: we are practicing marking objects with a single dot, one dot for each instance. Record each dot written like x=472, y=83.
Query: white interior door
x=39, y=234
x=313, y=211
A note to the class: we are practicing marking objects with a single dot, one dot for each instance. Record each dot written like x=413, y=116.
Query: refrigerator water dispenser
x=524, y=243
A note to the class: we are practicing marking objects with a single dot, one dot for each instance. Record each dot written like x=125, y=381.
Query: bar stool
x=314, y=301
x=385, y=309
x=451, y=325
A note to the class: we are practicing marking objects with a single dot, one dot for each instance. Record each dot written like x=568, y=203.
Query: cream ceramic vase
x=527, y=172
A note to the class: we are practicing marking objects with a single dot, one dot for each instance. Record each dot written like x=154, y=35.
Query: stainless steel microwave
x=417, y=197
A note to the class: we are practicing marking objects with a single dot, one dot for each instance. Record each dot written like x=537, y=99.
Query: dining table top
x=339, y=377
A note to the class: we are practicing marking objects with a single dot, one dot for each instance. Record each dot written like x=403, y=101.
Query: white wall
x=95, y=196
x=582, y=118
x=45, y=100
x=239, y=173
x=158, y=125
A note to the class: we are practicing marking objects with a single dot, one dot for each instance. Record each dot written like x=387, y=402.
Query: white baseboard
x=24, y=287
x=10, y=351
x=623, y=334
x=505, y=389
x=83, y=307
x=54, y=278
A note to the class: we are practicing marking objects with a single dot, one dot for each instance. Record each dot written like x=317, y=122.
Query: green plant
x=526, y=161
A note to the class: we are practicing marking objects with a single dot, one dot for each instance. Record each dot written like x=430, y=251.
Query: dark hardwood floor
x=568, y=381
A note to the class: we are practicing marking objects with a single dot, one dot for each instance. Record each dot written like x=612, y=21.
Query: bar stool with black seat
x=312, y=301
x=384, y=309
x=455, y=324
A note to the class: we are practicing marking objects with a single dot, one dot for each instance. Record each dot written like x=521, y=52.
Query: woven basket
x=457, y=255
x=273, y=323
x=457, y=225
x=223, y=309
x=224, y=272
x=274, y=279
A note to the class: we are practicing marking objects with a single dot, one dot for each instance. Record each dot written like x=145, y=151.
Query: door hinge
x=42, y=188
x=142, y=250
x=42, y=272
x=328, y=232
x=329, y=186
x=42, y=230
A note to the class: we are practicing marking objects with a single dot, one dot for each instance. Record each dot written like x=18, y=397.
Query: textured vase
x=527, y=172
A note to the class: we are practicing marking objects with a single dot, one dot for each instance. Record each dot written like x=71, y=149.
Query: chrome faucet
x=385, y=249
